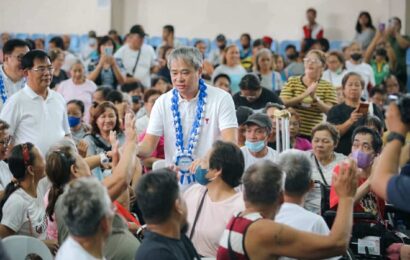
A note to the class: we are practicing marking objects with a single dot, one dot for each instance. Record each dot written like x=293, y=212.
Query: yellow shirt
x=310, y=114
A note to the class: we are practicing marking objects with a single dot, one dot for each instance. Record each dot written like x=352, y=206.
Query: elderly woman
x=213, y=201
x=231, y=65
x=64, y=165
x=348, y=115
x=325, y=138
x=105, y=69
x=78, y=87
x=22, y=211
x=270, y=79
x=310, y=95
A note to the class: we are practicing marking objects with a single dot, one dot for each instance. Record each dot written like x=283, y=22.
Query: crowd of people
x=124, y=151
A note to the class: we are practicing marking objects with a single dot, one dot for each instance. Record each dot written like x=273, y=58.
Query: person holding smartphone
x=352, y=113
x=106, y=70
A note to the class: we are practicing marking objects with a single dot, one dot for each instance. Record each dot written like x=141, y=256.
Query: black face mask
x=222, y=47
x=356, y=56
x=292, y=56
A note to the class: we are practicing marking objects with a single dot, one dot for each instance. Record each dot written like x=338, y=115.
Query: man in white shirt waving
x=37, y=114
x=191, y=116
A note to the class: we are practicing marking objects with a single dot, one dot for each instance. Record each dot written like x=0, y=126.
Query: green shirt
x=381, y=71
x=400, y=54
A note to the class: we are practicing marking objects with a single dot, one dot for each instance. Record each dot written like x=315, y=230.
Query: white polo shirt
x=219, y=115
x=33, y=119
x=145, y=62
x=10, y=86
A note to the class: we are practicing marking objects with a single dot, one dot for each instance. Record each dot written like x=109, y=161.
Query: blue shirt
x=398, y=189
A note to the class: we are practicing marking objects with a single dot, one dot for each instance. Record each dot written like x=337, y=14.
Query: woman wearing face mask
x=213, y=201
x=335, y=68
x=323, y=159
x=356, y=64
x=75, y=111
x=105, y=69
x=22, y=209
x=231, y=65
x=78, y=87
x=258, y=130
x=310, y=95
x=347, y=116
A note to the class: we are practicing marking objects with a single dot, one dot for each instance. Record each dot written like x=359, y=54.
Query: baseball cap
x=260, y=119
x=243, y=113
x=220, y=38
x=137, y=29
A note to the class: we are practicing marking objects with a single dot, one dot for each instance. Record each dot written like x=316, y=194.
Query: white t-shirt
x=71, y=249
x=366, y=71
x=299, y=218
x=145, y=62
x=141, y=124
x=212, y=220
x=10, y=87
x=333, y=77
x=219, y=115
x=33, y=119
x=5, y=175
x=25, y=215
x=272, y=155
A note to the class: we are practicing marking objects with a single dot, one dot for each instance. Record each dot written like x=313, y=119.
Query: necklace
x=184, y=156
x=3, y=93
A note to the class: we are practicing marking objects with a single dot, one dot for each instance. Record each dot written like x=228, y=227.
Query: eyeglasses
x=312, y=61
x=44, y=69
x=6, y=141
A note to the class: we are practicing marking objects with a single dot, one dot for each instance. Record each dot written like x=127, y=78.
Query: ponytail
x=10, y=188
x=53, y=195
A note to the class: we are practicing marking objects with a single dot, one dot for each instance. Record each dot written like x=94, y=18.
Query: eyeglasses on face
x=43, y=69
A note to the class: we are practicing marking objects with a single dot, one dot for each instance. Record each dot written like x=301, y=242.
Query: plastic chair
x=155, y=41
x=183, y=41
x=158, y=165
x=22, y=36
x=336, y=45
x=18, y=247
x=36, y=36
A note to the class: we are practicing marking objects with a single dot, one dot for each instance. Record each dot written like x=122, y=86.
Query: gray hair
x=263, y=183
x=190, y=55
x=85, y=203
x=298, y=171
x=260, y=53
x=63, y=143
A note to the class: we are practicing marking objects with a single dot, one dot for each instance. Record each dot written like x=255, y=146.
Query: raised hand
x=345, y=182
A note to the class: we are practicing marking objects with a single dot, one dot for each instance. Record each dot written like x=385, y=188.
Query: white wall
x=281, y=19
x=54, y=16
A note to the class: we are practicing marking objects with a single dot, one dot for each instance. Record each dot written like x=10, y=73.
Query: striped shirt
x=310, y=115
x=233, y=238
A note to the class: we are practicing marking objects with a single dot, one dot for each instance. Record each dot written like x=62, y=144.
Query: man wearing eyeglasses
x=37, y=114
x=11, y=74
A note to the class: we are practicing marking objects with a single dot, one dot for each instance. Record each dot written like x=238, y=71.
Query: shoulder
x=194, y=191
x=217, y=93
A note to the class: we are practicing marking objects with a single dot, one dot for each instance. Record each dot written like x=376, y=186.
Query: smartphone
x=363, y=108
x=382, y=26
x=108, y=51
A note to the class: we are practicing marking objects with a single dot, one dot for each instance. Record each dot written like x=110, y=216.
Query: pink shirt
x=83, y=92
x=302, y=144
x=52, y=231
x=212, y=220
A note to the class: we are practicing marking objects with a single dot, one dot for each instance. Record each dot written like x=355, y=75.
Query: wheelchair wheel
x=348, y=255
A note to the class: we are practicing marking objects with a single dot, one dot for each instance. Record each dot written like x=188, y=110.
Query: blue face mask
x=255, y=146
x=200, y=175
x=74, y=121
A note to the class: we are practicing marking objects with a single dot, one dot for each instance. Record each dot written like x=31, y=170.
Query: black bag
x=324, y=190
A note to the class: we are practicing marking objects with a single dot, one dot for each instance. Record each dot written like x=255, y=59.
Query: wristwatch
x=104, y=160
x=396, y=136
